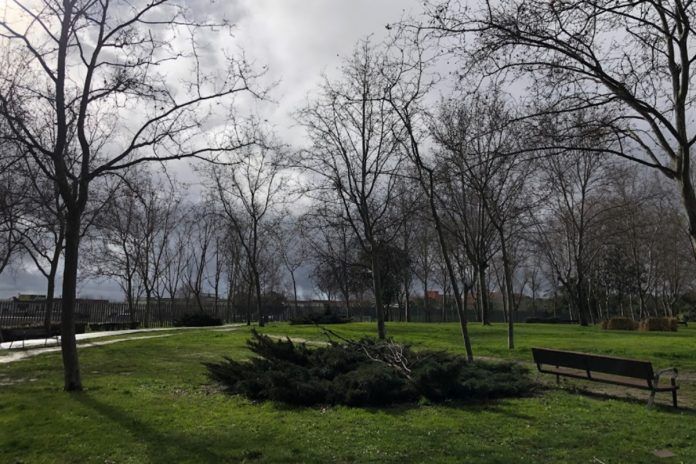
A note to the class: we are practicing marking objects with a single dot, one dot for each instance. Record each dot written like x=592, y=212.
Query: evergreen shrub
x=365, y=372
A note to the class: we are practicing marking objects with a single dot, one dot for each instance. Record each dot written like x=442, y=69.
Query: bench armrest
x=671, y=370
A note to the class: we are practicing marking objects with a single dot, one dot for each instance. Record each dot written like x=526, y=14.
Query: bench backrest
x=594, y=363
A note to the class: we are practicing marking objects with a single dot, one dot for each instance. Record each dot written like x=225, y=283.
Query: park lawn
x=149, y=401
x=664, y=349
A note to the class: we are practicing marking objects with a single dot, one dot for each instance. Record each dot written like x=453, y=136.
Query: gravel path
x=36, y=347
x=55, y=341
x=18, y=355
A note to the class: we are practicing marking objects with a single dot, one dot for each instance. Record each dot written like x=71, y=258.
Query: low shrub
x=659, y=324
x=686, y=316
x=327, y=317
x=198, y=319
x=366, y=372
x=619, y=323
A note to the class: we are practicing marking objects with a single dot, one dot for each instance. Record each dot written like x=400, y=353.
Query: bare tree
x=12, y=206
x=355, y=155
x=408, y=83
x=478, y=138
x=630, y=60
x=571, y=238
x=175, y=256
x=333, y=252
x=290, y=242
x=92, y=75
x=247, y=190
x=158, y=205
x=43, y=230
x=202, y=224
x=425, y=255
x=117, y=242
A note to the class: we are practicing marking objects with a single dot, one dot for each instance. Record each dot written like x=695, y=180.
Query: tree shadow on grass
x=606, y=396
x=401, y=409
x=162, y=447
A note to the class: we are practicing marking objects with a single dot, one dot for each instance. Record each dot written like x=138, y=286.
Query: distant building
x=433, y=294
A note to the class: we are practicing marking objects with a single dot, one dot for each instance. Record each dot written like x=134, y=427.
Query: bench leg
x=674, y=392
x=651, y=400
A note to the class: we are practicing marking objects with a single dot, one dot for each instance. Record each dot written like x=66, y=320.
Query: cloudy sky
x=299, y=40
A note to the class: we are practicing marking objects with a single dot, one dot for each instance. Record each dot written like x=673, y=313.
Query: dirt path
x=55, y=341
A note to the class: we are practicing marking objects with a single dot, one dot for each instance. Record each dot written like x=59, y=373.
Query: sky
x=298, y=40
x=301, y=39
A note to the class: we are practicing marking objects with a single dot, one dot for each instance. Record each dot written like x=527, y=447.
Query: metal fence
x=112, y=315
x=165, y=313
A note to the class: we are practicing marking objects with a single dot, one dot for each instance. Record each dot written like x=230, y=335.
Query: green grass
x=664, y=349
x=148, y=401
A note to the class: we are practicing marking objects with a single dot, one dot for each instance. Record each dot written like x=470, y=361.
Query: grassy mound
x=367, y=372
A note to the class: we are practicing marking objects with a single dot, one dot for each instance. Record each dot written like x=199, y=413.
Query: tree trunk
x=257, y=285
x=509, y=295
x=483, y=296
x=148, y=307
x=407, y=303
x=377, y=286
x=476, y=296
x=71, y=364
x=688, y=196
x=346, y=300
x=248, y=305
x=463, y=322
x=50, y=294
x=581, y=301
x=294, y=292
x=426, y=308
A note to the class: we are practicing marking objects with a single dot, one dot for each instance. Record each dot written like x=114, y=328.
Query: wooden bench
x=608, y=369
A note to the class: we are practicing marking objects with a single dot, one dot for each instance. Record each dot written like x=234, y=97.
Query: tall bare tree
x=631, y=59
x=407, y=84
x=478, y=138
x=575, y=181
x=43, y=232
x=248, y=189
x=355, y=155
x=101, y=73
x=290, y=242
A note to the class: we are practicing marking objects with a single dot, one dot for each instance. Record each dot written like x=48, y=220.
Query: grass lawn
x=148, y=401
